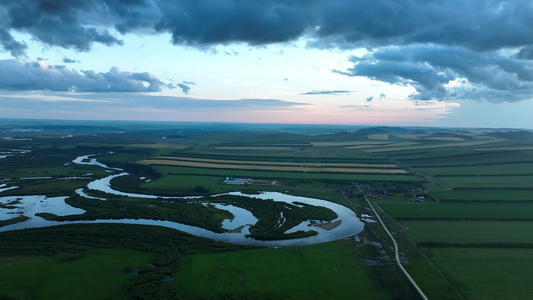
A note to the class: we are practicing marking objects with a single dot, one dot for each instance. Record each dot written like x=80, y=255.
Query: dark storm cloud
x=468, y=37
x=11, y=45
x=442, y=72
x=210, y=22
x=40, y=75
x=525, y=53
x=480, y=25
x=333, y=92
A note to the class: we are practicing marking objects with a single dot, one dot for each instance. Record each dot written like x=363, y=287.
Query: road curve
x=397, y=256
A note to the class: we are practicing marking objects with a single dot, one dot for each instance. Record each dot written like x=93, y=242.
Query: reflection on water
x=30, y=205
x=239, y=225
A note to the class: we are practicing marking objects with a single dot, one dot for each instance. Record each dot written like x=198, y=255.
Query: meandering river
x=348, y=222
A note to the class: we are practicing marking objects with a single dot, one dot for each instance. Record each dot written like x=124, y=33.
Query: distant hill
x=513, y=135
x=449, y=135
x=383, y=129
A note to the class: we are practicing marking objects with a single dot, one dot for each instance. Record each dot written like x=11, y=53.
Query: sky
x=451, y=63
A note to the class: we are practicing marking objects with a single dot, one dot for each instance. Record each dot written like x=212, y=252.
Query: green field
x=471, y=232
x=283, y=175
x=489, y=169
x=97, y=274
x=459, y=210
x=483, y=195
x=487, y=273
x=324, y=271
x=472, y=235
x=492, y=182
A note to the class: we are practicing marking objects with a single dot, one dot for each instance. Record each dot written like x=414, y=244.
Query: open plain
x=456, y=202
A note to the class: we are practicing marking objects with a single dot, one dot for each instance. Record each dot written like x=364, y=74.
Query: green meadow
x=322, y=271
x=459, y=211
x=470, y=238
x=487, y=273
x=97, y=274
x=471, y=232
x=490, y=182
x=473, y=195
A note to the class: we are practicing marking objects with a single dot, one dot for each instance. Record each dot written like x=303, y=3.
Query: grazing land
x=287, y=272
x=458, y=202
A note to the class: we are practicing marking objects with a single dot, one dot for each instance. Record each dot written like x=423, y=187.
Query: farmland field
x=282, y=273
x=487, y=273
x=248, y=166
x=278, y=174
x=471, y=232
x=458, y=202
x=498, y=182
x=472, y=195
x=459, y=210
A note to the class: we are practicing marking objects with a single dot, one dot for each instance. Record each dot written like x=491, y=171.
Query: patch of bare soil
x=330, y=225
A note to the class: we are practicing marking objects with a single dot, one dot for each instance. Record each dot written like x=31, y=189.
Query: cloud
x=331, y=92
x=525, y=53
x=357, y=107
x=479, y=25
x=18, y=74
x=9, y=43
x=70, y=61
x=451, y=49
x=137, y=99
x=185, y=88
x=448, y=73
x=369, y=99
x=143, y=106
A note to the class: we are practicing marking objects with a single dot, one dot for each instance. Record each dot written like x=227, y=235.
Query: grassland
x=470, y=237
x=475, y=225
x=487, y=273
x=100, y=273
x=281, y=163
x=458, y=211
x=325, y=271
x=261, y=167
x=175, y=170
x=476, y=195
x=471, y=232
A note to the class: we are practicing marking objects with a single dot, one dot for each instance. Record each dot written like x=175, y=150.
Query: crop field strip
x=459, y=211
x=270, y=168
x=488, y=213
x=483, y=196
x=280, y=163
x=394, y=147
x=472, y=233
x=280, y=175
x=329, y=155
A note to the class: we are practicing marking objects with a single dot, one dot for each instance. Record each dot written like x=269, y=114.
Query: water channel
x=347, y=223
